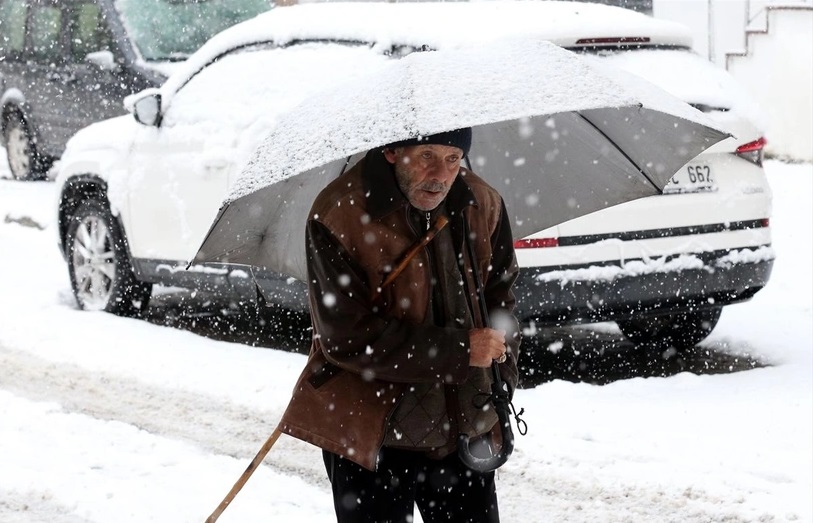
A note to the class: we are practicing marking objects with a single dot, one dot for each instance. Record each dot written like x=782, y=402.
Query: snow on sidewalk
x=113, y=419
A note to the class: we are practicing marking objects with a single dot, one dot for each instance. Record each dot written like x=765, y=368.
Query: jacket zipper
x=449, y=391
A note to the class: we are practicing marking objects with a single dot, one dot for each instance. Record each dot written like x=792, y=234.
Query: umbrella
x=558, y=134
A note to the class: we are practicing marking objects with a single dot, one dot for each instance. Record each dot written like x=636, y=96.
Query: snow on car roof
x=438, y=25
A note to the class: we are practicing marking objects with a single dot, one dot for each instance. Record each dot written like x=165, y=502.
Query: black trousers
x=445, y=490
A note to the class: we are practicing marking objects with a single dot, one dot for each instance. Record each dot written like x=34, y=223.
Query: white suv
x=136, y=200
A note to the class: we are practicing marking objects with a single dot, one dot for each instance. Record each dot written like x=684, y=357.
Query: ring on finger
x=502, y=358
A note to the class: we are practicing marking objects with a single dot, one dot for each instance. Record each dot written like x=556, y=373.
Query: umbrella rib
x=623, y=153
x=346, y=163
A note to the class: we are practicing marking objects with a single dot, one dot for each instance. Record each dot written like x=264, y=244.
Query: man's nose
x=438, y=171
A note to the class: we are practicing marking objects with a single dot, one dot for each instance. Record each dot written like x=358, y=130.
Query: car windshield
x=173, y=29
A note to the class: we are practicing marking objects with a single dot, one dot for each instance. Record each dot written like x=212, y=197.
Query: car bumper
x=281, y=290
x=710, y=282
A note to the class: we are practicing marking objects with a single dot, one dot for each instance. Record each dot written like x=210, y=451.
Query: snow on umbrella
x=559, y=135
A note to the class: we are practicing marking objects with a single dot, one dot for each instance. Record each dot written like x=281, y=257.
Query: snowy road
x=105, y=419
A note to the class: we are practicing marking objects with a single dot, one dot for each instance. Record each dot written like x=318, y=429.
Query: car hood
x=97, y=149
x=113, y=134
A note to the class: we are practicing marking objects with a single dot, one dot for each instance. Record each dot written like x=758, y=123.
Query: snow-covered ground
x=105, y=419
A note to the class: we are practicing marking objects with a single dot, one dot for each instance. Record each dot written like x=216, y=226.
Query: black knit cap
x=460, y=138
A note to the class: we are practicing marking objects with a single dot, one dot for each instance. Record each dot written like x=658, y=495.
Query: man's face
x=425, y=173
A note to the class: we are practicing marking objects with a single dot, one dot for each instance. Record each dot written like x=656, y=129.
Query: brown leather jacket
x=366, y=352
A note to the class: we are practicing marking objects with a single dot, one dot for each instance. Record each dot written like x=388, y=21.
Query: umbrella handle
x=500, y=399
x=499, y=393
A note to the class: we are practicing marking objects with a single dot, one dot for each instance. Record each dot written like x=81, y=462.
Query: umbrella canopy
x=559, y=135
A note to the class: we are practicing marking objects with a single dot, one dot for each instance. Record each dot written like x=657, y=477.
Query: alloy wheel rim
x=94, y=263
x=18, y=149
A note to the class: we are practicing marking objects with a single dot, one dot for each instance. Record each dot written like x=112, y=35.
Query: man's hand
x=486, y=345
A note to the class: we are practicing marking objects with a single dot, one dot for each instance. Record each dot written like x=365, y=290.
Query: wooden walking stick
x=261, y=454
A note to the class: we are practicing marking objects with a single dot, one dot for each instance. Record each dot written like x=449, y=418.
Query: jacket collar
x=384, y=196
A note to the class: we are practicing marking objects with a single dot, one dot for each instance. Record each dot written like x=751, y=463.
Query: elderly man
x=400, y=361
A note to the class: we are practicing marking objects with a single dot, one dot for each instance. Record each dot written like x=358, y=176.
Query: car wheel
x=23, y=160
x=680, y=330
x=101, y=275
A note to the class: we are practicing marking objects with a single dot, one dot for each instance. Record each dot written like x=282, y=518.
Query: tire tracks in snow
x=223, y=428
x=207, y=422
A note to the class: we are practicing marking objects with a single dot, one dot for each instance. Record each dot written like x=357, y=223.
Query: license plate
x=692, y=178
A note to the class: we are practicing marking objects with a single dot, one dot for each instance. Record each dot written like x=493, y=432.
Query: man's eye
x=453, y=159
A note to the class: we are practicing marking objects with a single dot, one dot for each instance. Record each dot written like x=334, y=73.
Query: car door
x=99, y=83
x=179, y=171
x=12, y=42
x=44, y=73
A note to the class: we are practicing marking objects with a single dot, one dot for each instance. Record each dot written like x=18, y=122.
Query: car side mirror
x=146, y=107
x=104, y=60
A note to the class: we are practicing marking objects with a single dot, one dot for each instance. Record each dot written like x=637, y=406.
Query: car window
x=44, y=27
x=88, y=33
x=12, y=27
x=174, y=29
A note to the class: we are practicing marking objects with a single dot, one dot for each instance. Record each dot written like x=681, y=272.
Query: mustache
x=432, y=186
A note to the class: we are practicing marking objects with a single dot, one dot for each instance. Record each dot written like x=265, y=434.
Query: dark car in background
x=65, y=64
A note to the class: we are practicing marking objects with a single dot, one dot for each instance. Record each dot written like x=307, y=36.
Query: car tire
x=24, y=161
x=102, y=277
x=680, y=330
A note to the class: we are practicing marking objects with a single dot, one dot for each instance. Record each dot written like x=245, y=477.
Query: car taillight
x=752, y=151
x=536, y=243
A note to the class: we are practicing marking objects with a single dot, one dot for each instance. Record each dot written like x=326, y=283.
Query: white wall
x=718, y=26
x=778, y=68
x=778, y=72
